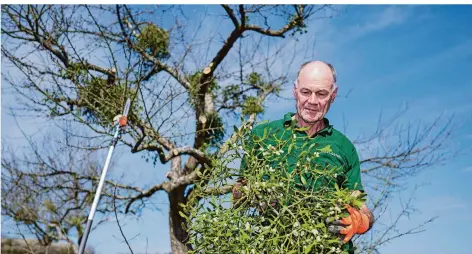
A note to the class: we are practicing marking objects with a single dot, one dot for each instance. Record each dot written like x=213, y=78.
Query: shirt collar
x=289, y=119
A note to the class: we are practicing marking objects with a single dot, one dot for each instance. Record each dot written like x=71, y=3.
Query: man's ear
x=295, y=94
x=333, y=96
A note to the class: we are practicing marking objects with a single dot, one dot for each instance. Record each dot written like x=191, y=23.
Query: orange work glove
x=356, y=223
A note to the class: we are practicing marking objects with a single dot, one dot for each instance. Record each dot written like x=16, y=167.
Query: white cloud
x=390, y=16
x=418, y=65
x=330, y=37
x=444, y=203
x=467, y=169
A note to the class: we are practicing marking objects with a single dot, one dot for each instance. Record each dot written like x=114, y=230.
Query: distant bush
x=20, y=246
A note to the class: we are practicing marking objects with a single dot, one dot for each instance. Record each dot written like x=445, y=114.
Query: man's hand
x=263, y=205
x=236, y=191
x=358, y=222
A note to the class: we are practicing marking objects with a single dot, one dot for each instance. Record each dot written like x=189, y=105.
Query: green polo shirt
x=327, y=149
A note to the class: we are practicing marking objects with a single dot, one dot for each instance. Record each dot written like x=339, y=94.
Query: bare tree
x=47, y=190
x=79, y=63
x=392, y=155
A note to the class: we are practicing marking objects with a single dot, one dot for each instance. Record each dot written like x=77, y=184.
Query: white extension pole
x=119, y=127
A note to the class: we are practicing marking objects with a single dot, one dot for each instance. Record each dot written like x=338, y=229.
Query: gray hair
x=333, y=71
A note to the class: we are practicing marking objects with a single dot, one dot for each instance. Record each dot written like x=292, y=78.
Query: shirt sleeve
x=353, y=173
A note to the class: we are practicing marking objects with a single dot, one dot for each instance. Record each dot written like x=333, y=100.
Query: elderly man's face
x=314, y=93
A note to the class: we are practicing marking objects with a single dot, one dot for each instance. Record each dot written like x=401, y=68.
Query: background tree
x=48, y=189
x=79, y=63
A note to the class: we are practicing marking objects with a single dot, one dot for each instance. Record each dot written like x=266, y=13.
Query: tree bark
x=178, y=236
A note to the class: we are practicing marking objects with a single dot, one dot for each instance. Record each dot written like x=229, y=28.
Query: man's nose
x=313, y=99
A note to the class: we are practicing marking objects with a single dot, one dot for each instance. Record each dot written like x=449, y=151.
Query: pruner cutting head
x=122, y=119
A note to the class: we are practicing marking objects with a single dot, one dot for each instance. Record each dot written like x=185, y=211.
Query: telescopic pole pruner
x=120, y=124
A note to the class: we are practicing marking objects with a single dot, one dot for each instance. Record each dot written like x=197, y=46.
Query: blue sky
x=386, y=56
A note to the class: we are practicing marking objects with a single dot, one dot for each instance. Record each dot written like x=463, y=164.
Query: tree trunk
x=178, y=236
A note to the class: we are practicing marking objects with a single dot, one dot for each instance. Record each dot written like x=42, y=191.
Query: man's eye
x=305, y=92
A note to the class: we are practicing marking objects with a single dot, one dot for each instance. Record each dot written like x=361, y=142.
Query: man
x=315, y=90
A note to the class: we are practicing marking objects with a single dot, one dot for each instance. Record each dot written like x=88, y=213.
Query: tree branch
x=186, y=150
x=145, y=194
x=297, y=20
x=231, y=15
x=173, y=72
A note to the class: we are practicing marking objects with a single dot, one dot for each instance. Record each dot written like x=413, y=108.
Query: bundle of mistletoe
x=280, y=211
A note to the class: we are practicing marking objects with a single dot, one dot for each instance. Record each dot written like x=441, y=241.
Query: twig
x=118, y=222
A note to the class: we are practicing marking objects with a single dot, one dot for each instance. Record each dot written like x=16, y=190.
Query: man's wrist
x=369, y=215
